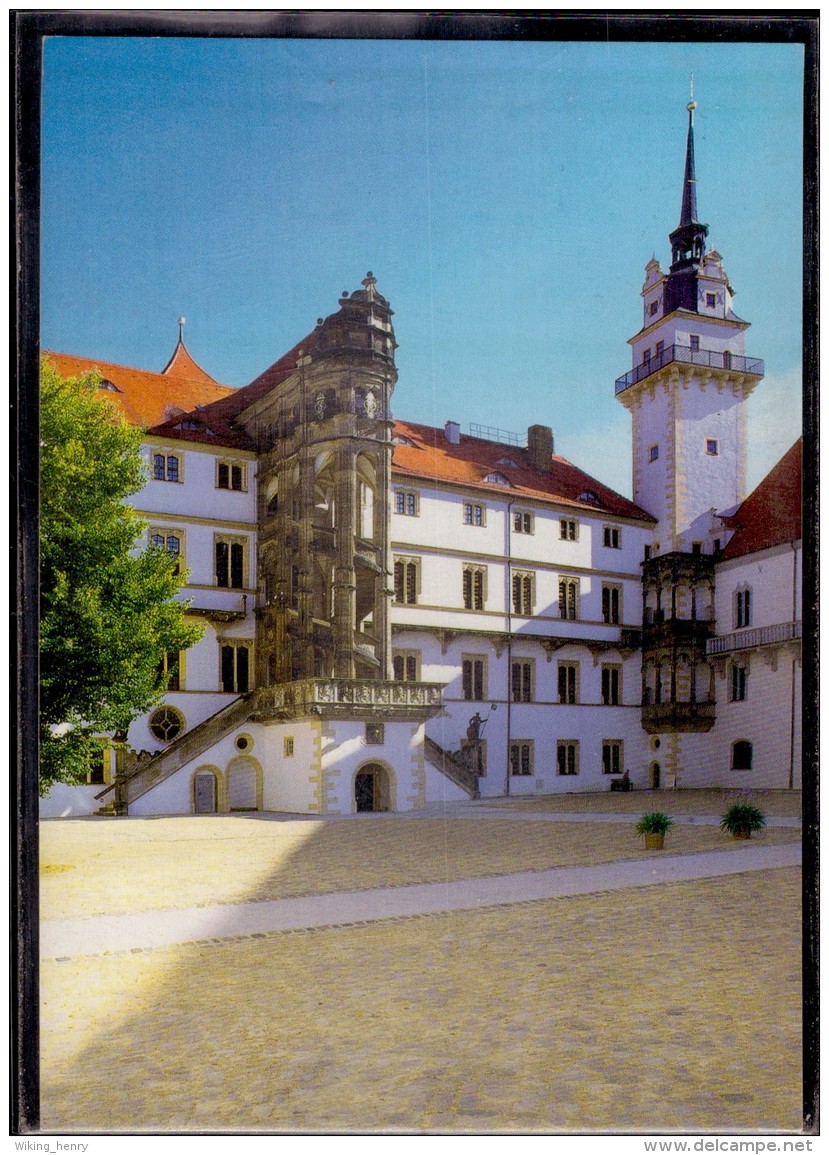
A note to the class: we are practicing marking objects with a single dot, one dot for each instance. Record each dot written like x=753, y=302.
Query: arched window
x=741, y=755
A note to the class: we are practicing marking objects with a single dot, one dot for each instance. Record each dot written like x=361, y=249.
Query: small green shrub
x=654, y=823
x=742, y=819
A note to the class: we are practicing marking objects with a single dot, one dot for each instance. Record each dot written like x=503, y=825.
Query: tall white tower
x=688, y=386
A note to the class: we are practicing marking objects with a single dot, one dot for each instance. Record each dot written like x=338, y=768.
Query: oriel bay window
x=235, y=666
x=474, y=587
x=230, y=562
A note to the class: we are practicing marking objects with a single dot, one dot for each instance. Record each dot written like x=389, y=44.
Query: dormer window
x=496, y=478
x=108, y=386
x=402, y=440
x=589, y=495
x=506, y=461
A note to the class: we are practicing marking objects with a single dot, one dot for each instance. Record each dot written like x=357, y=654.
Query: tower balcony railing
x=758, y=636
x=706, y=358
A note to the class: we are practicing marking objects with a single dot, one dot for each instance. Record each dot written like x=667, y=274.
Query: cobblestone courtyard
x=671, y=1007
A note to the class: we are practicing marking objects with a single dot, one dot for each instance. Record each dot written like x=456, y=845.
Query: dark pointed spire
x=688, y=213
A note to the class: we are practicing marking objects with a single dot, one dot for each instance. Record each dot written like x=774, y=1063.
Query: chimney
x=452, y=432
x=540, y=447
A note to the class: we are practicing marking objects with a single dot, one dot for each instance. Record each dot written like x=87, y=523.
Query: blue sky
x=506, y=195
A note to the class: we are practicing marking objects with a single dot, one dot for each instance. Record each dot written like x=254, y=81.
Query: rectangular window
x=406, y=666
x=405, y=581
x=235, y=666
x=739, y=682
x=611, y=685
x=474, y=587
x=647, y=553
x=653, y=453
x=473, y=678
x=521, y=758
x=653, y=308
x=660, y=348
x=646, y=356
x=568, y=598
x=171, y=540
x=169, y=670
x=712, y=447
x=612, y=762
x=695, y=342
x=230, y=562
x=288, y=747
x=405, y=503
x=612, y=537
x=166, y=467
x=522, y=680
x=568, y=683
x=696, y=547
x=569, y=529
x=710, y=300
x=473, y=514
x=522, y=522
x=742, y=608
x=568, y=757
x=523, y=592
x=611, y=604
x=230, y=475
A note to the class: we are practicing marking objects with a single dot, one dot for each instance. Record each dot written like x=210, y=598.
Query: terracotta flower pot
x=654, y=841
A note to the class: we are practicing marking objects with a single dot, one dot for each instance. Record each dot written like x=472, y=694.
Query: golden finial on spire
x=692, y=104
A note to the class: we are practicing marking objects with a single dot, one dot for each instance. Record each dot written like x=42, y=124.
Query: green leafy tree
x=107, y=609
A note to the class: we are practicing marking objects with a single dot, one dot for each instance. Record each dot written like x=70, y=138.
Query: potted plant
x=654, y=826
x=740, y=819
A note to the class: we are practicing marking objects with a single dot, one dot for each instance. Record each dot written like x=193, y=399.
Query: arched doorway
x=243, y=784
x=372, y=789
x=656, y=775
x=205, y=792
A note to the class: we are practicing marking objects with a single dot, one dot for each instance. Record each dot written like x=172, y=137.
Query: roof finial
x=181, y=322
x=692, y=104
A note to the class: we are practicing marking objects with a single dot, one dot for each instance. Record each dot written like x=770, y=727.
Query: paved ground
x=667, y=1007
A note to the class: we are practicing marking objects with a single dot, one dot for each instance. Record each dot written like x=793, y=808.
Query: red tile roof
x=181, y=364
x=145, y=398
x=771, y=514
x=433, y=458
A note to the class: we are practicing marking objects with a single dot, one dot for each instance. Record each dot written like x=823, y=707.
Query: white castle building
x=396, y=614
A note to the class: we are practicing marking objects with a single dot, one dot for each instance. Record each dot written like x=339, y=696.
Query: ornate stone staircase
x=143, y=776
x=452, y=765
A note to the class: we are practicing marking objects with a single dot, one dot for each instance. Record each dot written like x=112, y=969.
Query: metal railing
x=758, y=636
x=706, y=358
x=502, y=436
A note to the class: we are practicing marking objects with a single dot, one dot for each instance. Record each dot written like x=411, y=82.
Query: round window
x=167, y=723
x=243, y=742
x=655, y=743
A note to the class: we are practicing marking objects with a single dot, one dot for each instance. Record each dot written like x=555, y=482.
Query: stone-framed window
x=406, y=580
x=523, y=521
x=612, y=537
x=739, y=682
x=522, y=680
x=742, y=607
x=611, y=604
x=406, y=665
x=170, y=539
x=568, y=683
x=568, y=598
x=568, y=529
x=473, y=677
x=231, y=474
x=231, y=561
x=523, y=593
x=521, y=757
x=166, y=466
x=613, y=761
x=474, y=587
x=288, y=747
x=235, y=665
x=171, y=670
x=166, y=723
x=375, y=733
x=407, y=502
x=474, y=513
x=567, y=756
x=611, y=685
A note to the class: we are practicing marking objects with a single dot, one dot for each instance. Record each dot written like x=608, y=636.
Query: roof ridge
x=137, y=369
